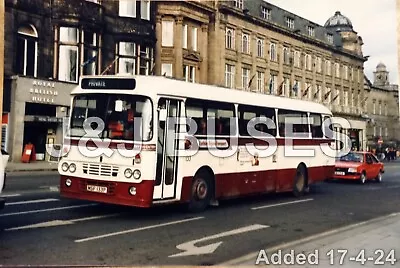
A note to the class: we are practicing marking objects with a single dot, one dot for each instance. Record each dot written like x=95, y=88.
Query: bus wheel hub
x=200, y=189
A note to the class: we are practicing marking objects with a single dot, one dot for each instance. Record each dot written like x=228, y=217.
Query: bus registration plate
x=96, y=189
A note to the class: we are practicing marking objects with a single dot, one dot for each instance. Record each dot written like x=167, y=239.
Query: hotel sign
x=43, y=91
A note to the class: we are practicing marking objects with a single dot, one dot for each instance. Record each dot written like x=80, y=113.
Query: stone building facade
x=49, y=44
x=382, y=110
x=256, y=46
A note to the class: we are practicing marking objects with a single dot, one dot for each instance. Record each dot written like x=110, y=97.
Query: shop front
x=36, y=115
x=354, y=129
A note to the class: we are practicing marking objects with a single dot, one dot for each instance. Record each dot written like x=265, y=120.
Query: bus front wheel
x=300, y=182
x=201, y=192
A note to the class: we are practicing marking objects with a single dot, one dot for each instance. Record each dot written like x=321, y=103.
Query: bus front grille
x=100, y=170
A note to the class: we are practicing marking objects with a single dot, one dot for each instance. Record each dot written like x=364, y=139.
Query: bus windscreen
x=109, y=83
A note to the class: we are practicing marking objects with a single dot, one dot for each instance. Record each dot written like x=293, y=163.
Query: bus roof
x=159, y=85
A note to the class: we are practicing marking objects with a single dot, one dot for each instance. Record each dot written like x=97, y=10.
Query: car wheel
x=363, y=178
x=379, y=177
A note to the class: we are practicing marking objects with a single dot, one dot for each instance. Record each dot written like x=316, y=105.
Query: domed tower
x=342, y=25
x=381, y=75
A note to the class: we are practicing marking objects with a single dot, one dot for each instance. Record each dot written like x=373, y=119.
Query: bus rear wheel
x=300, y=182
x=201, y=192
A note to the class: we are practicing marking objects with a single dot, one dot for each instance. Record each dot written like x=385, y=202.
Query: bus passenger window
x=316, y=126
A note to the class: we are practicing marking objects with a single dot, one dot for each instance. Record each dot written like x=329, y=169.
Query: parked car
x=3, y=176
x=361, y=166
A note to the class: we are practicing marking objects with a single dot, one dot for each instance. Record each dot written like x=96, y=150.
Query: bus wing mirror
x=118, y=105
x=162, y=115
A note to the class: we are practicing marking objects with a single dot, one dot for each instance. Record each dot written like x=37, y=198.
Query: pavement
x=33, y=166
x=38, y=227
x=365, y=244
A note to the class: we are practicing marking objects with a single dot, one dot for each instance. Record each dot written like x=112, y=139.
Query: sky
x=374, y=20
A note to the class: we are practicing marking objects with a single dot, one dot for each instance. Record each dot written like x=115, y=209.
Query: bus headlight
x=72, y=168
x=64, y=166
x=68, y=182
x=128, y=173
x=136, y=174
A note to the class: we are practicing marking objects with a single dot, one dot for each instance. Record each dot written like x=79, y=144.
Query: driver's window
x=369, y=159
x=374, y=159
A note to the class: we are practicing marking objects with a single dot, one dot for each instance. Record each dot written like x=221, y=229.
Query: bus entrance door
x=167, y=145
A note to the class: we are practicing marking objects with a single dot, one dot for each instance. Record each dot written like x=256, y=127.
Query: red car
x=361, y=166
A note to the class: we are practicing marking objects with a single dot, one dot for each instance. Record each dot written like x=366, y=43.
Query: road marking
x=136, y=229
x=44, y=210
x=59, y=222
x=32, y=201
x=189, y=248
x=10, y=195
x=282, y=204
x=251, y=257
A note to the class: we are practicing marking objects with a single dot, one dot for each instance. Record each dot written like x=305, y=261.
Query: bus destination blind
x=108, y=83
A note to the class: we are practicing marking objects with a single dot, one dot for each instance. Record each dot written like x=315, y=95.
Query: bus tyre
x=201, y=192
x=300, y=182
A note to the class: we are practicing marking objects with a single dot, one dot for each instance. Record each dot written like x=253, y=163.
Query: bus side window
x=316, y=126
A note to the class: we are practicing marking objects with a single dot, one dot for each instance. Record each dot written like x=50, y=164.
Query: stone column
x=178, y=52
x=203, y=46
x=16, y=128
x=158, y=48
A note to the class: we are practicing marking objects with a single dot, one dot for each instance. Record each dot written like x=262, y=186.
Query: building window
x=374, y=107
x=272, y=49
x=297, y=56
x=266, y=13
x=166, y=69
x=272, y=83
x=386, y=111
x=229, y=76
x=311, y=31
x=90, y=53
x=328, y=67
x=189, y=72
x=308, y=62
x=238, y=3
x=329, y=37
x=167, y=33
x=27, y=42
x=374, y=131
x=230, y=38
x=68, y=54
x=194, y=39
x=146, y=59
x=245, y=78
x=145, y=9
x=286, y=55
x=380, y=108
x=290, y=23
x=260, y=81
x=386, y=132
x=346, y=98
x=260, y=47
x=245, y=43
x=127, y=8
x=319, y=65
x=337, y=70
x=126, y=58
x=185, y=36
x=346, y=72
x=380, y=131
x=352, y=99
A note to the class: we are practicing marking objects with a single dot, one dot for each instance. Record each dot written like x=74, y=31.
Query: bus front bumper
x=118, y=193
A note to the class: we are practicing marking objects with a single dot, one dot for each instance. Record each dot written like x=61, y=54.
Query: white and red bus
x=133, y=114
